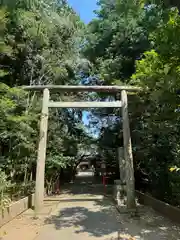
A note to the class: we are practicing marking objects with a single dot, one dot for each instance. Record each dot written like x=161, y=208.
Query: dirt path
x=82, y=213
x=89, y=217
x=83, y=218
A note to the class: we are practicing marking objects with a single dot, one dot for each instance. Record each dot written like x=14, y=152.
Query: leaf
x=172, y=169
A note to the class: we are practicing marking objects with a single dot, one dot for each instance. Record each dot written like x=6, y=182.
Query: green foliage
x=158, y=74
x=20, y=190
x=165, y=3
x=4, y=185
x=39, y=44
x=130, y=43
x=175, y=168
x=16, y=126
x=17, y=141
x=119, y=36
x=139, y=45
x=42, y=38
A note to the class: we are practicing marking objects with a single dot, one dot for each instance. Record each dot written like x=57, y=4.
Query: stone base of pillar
x=120, y=193
x=120, y=197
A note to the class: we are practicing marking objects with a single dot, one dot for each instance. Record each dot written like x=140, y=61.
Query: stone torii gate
x=47, y=103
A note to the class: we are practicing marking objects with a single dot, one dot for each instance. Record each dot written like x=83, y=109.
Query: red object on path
x=104, y=183
x=104, y=180
x=57, y=188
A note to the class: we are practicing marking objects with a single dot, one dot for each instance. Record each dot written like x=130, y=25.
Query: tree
x=166, y=3
x=39, y=43
x=158, y=73
x=134, y=43
x=118, y=37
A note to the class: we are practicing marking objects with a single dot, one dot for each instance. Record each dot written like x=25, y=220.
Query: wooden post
x=40, y=169
x=130, y=185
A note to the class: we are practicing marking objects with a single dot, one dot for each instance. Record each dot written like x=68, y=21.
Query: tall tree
x=166, y=3
x=118, y=37
x=136, y=43
x=39, y=44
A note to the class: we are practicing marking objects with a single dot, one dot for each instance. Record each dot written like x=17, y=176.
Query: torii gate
x=40, y=170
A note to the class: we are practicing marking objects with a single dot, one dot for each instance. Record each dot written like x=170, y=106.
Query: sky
x=84, y=8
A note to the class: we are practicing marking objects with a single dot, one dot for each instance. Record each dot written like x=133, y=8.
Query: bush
x=20, y=190
x=4, y=186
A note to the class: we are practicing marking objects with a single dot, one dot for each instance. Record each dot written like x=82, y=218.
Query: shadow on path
x=90, y=185
x=85, y=214
x=95, y=219
x=100, y=219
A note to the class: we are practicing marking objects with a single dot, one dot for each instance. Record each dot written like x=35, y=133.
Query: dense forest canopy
x=129, y=42
x=132, y=42
x=39, y=44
